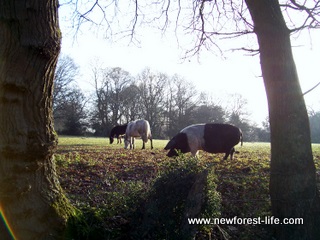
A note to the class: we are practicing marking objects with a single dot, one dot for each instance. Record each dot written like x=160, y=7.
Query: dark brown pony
x=117, y=132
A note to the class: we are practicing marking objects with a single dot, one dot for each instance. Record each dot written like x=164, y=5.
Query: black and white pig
x=209, y=137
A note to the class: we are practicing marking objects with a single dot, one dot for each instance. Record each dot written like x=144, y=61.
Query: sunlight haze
x=216, y=74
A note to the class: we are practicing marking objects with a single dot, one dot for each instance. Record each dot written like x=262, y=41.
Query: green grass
x=108, y=181
x=84, y=141
x=157, y=143
x=100, y=141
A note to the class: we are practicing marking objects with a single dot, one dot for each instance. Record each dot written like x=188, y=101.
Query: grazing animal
x=210, y=137
x=117, y=132
x=138, y=128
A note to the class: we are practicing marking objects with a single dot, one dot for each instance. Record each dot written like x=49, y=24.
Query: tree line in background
x=169, y=103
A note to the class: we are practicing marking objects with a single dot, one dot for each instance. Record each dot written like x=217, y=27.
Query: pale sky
x=215, y=74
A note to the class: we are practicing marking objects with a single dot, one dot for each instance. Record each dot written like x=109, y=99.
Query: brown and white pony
x=138, y=128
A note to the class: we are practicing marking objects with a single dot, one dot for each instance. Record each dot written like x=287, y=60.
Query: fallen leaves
x=98, y=176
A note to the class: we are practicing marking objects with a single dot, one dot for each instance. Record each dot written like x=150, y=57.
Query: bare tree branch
x=311, y=89
x=209, y=21
x=312, y=14
x=135, y=19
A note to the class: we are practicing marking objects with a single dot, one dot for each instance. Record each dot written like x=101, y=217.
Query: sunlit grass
x=101, y=141
x=67, y=141
x=107, y=178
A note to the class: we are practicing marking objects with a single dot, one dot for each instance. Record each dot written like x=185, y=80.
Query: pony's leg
x=151, y=143
x=132, y=146
x=144, y=140
x=231, y=153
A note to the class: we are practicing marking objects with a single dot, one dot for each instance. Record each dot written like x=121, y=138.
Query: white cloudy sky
x=219, y=75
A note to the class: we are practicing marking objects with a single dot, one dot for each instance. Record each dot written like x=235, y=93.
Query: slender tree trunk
x=293, y=187
x=31, y=199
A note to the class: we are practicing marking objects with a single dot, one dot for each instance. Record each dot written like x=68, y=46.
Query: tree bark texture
x=30, y=195
x=293, y=187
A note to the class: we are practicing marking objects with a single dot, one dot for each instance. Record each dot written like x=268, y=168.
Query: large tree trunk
x=31, y=199
x=293, y=187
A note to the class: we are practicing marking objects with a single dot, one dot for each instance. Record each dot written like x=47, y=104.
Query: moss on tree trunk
x=30, y=195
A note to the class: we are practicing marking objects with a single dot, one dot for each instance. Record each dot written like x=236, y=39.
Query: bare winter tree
x=184, y=101
x=74, y=114
x=238, y=115
x=101, y=111
x=293, y=187
x=31, y=199
x=132, y=107
x=110, y=84
x=151, y=89
x=118, y=79
x=65, y=75
x=30, y=40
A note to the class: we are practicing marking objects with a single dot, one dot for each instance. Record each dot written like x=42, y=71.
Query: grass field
x=110, y=180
